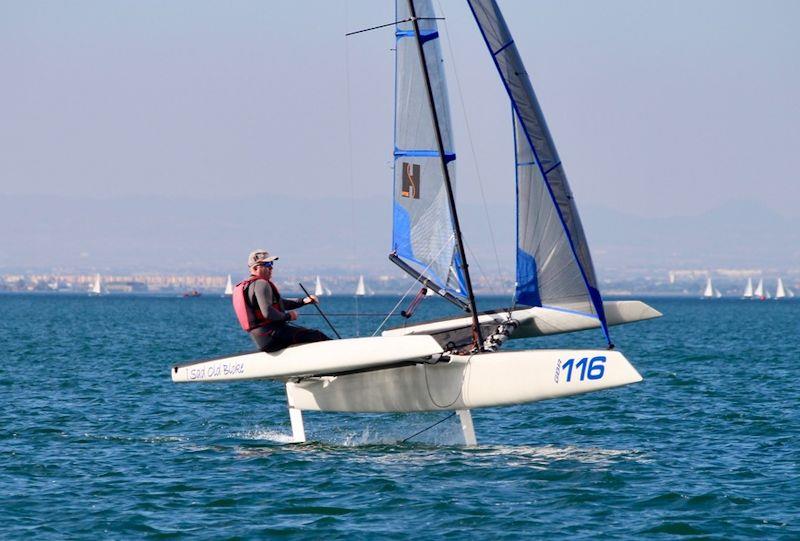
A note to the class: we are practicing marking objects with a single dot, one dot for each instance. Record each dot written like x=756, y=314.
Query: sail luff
x=533, y=126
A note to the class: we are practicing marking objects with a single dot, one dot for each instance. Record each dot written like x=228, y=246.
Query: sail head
x=423, y=231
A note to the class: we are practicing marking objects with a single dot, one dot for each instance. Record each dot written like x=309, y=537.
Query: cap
x=259, y=256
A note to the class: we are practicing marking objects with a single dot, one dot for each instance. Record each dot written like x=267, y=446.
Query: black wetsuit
x=278, y=333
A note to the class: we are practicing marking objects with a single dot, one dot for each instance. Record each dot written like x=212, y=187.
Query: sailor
x=264, y=314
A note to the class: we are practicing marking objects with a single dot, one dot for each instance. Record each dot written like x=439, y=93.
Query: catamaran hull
x=467, y=382
x=328, y=357
x=539, y=320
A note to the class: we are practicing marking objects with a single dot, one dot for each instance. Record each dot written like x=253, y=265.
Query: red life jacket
x=251, y=317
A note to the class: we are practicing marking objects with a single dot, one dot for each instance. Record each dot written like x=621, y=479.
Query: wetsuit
x=278, y=333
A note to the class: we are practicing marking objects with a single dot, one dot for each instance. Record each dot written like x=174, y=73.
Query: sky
x=659, y=110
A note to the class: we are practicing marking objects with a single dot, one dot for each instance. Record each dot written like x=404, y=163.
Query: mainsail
x=554, y=266
x=423, y=231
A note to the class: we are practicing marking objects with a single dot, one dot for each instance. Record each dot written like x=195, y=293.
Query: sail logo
x=410, y=185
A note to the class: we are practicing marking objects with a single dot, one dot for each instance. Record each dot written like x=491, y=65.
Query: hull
x=467, y=382
x=539, y=321
x=328, y=357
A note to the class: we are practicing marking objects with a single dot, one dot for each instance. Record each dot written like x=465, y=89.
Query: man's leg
x=305, y=336
x=289, y=335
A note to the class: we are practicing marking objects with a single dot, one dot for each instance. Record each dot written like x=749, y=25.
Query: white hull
x=479, y=381
x=329, y=357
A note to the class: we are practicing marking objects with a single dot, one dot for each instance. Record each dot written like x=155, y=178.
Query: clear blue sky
x=657, y=108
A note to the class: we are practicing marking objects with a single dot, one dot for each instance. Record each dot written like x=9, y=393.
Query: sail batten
x=554, y=265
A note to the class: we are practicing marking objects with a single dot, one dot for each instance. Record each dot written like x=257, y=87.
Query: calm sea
x=97, y=442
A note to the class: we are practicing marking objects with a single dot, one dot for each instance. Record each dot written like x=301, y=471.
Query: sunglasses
x=267, y=264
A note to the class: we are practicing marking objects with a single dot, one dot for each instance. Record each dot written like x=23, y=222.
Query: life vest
x=251, y=317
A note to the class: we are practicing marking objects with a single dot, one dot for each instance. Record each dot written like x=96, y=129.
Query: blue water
x=97, y=442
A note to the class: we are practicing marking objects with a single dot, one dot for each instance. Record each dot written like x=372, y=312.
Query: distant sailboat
x=361, y=289
x=748, y=290
x=708, y=292
x=97, y=286
x=717, y=294
x=320, y=290
x=759, y=292
x=780, y=292
x=229, y=287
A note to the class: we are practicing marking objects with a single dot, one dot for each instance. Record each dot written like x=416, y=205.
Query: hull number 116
x=583, y=368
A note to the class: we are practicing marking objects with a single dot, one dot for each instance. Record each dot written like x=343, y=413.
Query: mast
x=476, y=329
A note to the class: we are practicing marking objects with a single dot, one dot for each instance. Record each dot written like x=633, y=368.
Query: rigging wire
x=413, y=285
x=352, y=314
x=392, y=24
x=427, y=428
x=469, y=139
x=477, y=262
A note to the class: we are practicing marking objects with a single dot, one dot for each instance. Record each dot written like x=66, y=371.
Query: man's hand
x=292, y=315
x=311, y=299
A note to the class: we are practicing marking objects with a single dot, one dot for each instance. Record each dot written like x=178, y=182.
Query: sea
x=98, y=443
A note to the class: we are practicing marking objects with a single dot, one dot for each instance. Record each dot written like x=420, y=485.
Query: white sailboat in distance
x=361, y=289
x=708, y=292
x=319, y=289
x=748, y=289
x=97, y=286
x=228, y=287
x=456, y=364
x=759, y=291
x=780, y=292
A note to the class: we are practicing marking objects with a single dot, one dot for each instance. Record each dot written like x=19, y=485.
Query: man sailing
x=264, y=314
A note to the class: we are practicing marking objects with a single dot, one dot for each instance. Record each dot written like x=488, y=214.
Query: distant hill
x=733, y=235
x=335, y=234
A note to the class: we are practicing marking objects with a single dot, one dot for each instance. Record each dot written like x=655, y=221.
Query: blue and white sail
x=423, y=231
x=554, y=266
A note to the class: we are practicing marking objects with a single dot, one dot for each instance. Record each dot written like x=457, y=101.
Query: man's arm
x=264, y=299
x=291, y=304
